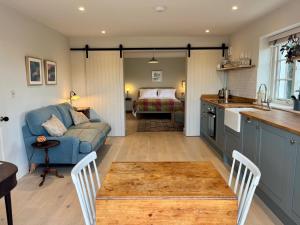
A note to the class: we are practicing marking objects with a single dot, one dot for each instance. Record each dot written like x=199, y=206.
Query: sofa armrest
x=65, y=153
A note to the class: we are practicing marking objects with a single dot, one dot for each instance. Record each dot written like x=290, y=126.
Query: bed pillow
x=78, y=117
x=148, y=93
x=167, y=93
x=54, y=127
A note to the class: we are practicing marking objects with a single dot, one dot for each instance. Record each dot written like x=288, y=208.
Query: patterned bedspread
x=157, y=105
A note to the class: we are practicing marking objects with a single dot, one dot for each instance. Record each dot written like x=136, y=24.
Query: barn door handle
x=4, y=119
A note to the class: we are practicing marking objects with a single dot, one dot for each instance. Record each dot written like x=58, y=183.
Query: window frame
x=275, y=51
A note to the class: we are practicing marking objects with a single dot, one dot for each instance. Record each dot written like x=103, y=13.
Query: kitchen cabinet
x=250, y=131
x=220, y=129
x=295, y=186
x=232, y=141
x=276, y=150
x=204, y=119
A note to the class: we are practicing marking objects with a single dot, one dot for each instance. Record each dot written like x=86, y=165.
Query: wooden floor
x=56, y=202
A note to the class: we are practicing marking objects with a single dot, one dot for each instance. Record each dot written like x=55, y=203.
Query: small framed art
x=156, y=76
x=50, y=72
x=34, y=70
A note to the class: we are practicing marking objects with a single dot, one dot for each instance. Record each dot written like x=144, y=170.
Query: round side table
x=46, y=146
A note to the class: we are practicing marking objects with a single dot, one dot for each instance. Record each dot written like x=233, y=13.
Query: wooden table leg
x=8, y=209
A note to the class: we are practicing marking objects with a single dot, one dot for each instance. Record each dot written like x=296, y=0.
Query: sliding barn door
x=202, y=78
x=99, y=80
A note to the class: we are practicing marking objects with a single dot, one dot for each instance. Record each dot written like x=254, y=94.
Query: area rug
x=158, y=125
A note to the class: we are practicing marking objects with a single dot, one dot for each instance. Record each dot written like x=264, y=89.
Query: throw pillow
x=78, y=117
x=54, y=127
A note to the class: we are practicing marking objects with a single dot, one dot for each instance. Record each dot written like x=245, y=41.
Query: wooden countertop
x=289, y=121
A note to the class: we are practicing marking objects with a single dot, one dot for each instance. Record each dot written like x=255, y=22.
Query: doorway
x=164, y=108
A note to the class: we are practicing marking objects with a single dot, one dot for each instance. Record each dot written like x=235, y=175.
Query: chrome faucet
x=265, y=99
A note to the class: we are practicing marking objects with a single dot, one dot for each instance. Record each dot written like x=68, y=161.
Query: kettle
x=221, y=93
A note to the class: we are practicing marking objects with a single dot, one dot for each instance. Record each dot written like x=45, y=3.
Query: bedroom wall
x=23, y=36
x=249, y=40
x=137, y=74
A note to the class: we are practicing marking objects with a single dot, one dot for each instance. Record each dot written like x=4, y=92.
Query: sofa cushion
x=64, y=110
x=89, y=138
x=55, y=127
x=36, y=117
x=100, y=126
x=78, y=117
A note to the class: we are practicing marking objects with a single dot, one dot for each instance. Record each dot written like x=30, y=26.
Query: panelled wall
x=202, y=78
x=99, y=82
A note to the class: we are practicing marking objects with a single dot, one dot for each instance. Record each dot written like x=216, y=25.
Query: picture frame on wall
x=50, y=71
x=34, y=71
x=157, y=76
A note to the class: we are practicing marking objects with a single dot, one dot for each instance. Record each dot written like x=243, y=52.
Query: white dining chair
x=246, y=181
x=84, y=181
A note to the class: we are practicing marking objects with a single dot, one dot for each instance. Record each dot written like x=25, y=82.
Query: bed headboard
x=138, y=95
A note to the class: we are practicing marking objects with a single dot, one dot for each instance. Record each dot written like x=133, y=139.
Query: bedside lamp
x=127, y=92
x=73, y=96
x=183, y=86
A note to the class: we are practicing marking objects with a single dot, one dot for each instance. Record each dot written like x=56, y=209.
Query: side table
x=84, y=110
x=46, y=146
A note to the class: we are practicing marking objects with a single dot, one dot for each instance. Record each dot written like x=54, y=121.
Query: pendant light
x=153, y=60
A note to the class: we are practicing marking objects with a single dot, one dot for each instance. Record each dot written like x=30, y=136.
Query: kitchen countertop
x=289, y=121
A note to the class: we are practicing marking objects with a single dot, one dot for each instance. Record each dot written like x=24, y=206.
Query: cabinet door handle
x=292, y=141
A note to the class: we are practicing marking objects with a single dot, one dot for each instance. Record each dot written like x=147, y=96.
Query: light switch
x=13, y=93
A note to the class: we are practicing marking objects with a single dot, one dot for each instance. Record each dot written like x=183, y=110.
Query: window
x=286, y=77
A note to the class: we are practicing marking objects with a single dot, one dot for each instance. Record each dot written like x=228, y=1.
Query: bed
x=162, y=102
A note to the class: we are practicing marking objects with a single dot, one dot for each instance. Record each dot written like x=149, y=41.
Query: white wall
x=21, y=36
x=248, y=40
x=137, y=74
x=202, y=78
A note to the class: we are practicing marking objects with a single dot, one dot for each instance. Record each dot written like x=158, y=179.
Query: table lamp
x=73, y=97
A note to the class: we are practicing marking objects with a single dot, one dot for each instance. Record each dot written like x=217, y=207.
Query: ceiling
x=138, y=17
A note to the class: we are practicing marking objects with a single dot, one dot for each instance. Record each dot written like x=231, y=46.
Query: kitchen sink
x=233, y=117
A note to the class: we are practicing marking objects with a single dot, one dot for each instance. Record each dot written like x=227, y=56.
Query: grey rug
x=158, y=125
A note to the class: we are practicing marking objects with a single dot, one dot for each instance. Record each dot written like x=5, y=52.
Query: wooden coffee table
x=165, y=193
x=46, y=146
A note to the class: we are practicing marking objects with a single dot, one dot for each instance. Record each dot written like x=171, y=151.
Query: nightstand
x=84, y=110
x=128, y=104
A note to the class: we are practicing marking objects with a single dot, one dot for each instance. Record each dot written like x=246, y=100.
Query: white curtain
x=99, y=80
x=202, y=78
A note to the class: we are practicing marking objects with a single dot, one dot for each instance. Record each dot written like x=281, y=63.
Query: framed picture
x=34, y=70
x=50, y=72
x=156, y=76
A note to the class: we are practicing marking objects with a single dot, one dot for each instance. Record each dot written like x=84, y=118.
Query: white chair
x=83, y=179
x=245, y=188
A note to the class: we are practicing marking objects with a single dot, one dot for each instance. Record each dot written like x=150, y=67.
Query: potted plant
x=291, y=49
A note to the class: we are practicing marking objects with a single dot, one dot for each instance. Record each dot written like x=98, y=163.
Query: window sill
x=287, y=108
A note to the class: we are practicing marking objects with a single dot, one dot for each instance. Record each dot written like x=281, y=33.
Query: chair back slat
x=92, y=181
x=83, y=179
x=242, y=184
x=244, y=188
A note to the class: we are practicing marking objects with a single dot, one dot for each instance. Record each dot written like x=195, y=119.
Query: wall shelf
x=236, y=68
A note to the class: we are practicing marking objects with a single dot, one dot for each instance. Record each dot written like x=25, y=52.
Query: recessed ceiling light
x=103, y=31
x=207, y=31
x=235, y=7
x=81, y=8
x=160, y=8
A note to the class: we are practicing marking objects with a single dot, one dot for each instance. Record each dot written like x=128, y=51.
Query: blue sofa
x=76, y=143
